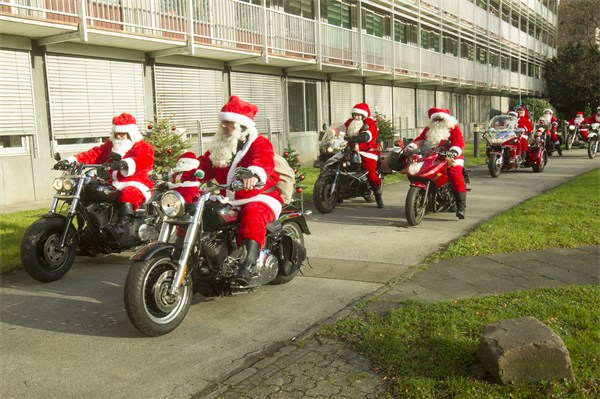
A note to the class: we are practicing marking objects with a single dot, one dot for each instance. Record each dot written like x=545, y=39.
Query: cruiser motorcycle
x=502, y=139
x=574, y=136
x=204, y=258
x=341, y=176
x=50, y=244
x=592, y=144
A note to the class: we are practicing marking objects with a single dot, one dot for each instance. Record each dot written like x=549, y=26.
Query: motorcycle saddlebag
x=292, y=255
x=392, y=160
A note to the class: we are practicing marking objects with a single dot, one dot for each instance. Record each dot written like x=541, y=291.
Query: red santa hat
x=186, y=162
x=125, y=123
x=239, y=111
x=362, y=109
x=580, y=114
x=443, y=113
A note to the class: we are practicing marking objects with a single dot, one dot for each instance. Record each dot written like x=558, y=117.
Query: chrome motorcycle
x=50, y=245
x=592, y=140
x=203, y=257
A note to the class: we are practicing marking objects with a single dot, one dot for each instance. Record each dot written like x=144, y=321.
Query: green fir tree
x=293, y=159
x=168, y=142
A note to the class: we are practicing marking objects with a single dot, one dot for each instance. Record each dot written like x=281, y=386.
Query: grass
x=12, y=228
x=429, y=350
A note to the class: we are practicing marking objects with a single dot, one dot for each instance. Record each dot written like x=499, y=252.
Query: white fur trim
x=369, y=155
x=72, y=159
x=132, y=130
x=186, y=164
x=260, y=172
x=459, y=162
x=239, y=118
x=140, y=186
x=270, y=201
x=457, y=149
x=130, y=167
x=359, y=111
x=449, y=119
x=413, y=145
x=185, y=184
x=252, y=135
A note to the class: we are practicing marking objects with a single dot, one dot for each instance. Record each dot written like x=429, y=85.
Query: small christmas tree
x=293, y=159
x=167, y=140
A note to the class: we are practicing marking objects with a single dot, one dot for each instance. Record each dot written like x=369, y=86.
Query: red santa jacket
x=582, y=121
x=369, y=149
x=186, y=184
x=455, y=141
x=595, y=118
x=257, y=155
x=139, y=159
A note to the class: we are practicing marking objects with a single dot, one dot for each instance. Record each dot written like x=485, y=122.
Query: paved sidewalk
x=314, y=367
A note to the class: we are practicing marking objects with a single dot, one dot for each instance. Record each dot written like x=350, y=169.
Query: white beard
x=596, y=118
x=437, y=132
x=354, y=127
x=121, y=146
x=578, y=120
x=545, y=118
x=223, y=148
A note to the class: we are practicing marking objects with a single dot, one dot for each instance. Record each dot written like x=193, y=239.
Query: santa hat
x=186, y=162
x=362, y=109
x=580, y=114
x=512, y=113
x=548, y=111
x=125, y=123
x=239, y=111
x=443, y=113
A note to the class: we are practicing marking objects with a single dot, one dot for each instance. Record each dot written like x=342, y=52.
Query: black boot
x=377, y=192
x=245, y=272
x=117, y=229
x=461, y=204
x=557, y=146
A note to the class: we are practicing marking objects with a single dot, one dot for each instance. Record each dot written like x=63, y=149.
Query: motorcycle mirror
x=324, y=126
x=243, y=173
x=115, y=156
x=56, y=156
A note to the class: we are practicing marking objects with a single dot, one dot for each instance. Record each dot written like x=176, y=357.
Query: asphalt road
x=72, y=338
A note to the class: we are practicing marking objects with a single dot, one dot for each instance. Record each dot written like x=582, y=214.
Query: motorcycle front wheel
x=40, y=256
x=149, y=305
x=494, y=166
x=294, y=230
x=415, y=205
x=569, y=140
x=592, y=148
x=543, y=161
x=325, y=200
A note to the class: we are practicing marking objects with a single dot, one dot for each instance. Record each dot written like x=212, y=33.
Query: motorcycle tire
x=39, y=256
x=569, y=141
x=325, y=201
x=592, y=148
x=415, y=205
x=149, y=306
x=494, y=166
x=542, y=165
x=295, y=231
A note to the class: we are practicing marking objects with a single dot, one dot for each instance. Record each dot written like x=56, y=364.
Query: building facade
x=68, y=66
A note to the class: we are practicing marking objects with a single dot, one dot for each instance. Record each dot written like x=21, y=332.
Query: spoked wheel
x=294, y=230
x=569, y=140
x=592, y=148
x=40, y=255
x=151, y=308
x=494, y=166
x=325, y=200
x=415, y=205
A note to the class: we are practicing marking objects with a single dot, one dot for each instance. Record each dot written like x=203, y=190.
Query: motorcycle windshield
x=334, y=137
x=502, y=128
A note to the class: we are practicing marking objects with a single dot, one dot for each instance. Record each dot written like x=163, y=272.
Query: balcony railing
x=245, y=27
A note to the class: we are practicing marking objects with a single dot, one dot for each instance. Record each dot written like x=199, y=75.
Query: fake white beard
x=596, y=118
x=121, y=146
x=578, y=120
x=224, y=147
x=437, y=132
x=354, y=127
x=545, y=118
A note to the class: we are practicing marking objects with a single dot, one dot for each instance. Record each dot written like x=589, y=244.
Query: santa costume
x=182, y=177
x=362, y=135
x=443, y=131
x=525, y=124
x=595, y=118
x=549, y=120
x=244, y=147
x=580, y=121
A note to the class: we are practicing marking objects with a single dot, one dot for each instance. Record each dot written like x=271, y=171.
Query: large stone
x=523, y=349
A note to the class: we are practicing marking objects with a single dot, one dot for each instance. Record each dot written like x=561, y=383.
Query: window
x=301, y=8
x=514, y=19
x=504, y=62
x=524, y=67
x=482, y=55
x=514, y=64
x=494, y=59
x=338, y=13
x=450, y=45
x=430, y=40
x=505, y=13
x=406, y=32
x=467, y=50
x=495, y=8
x=302, y=106
x=374, y=24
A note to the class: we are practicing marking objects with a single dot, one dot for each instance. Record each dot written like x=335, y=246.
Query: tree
x=385, y=130
x=293, y=159
x=536, y=107
x=167, y=140
x=578, y=24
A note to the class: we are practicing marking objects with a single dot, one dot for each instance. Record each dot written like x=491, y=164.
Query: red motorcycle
x=502, y=138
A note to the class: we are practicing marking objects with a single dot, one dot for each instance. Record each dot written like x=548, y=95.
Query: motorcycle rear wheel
x=592, y=148
x=325, y=201
x=415, y=205
x=543, y=161
x=150, y=307
x=39, y=255
x=295, y=231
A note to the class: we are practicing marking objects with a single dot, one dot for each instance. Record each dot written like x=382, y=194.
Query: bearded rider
x=443, y=131
x=361, y=134
x=130, y=174
x=580, y=121
x=238, y=144
x=551, y=123
x=524, y=123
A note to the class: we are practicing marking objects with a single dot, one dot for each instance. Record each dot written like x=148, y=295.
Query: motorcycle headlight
x=57, y=184
x=64, y=184
x=595, y=126
x=329, y=149
x=172, y=204
x=68, y=184
x=415, y=167
x=572, y=127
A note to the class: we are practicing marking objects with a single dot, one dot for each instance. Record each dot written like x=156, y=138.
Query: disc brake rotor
x=164, y=301
x=52, y=253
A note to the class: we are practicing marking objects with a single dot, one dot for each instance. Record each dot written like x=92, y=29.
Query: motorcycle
x=502, y=147
x=592, y=142
x=548, y=143
x=166, y=273
x=341, y=176
x=574, y=136
x=50, y=245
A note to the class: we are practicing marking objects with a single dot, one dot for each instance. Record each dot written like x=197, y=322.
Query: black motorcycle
x=84, y=204
x=341, y=176
x=204, y=257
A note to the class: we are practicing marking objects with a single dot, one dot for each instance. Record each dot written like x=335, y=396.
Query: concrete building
x=68, y=66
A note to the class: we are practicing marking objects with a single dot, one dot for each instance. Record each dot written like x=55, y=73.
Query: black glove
x=119, y=165
x=362, y=137
x=452, y=154
x=62, y=165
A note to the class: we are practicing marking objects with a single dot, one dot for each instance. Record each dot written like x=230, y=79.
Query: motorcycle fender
x=592, y=136
x=56, y=216
x=152, y=250
x=421, y=184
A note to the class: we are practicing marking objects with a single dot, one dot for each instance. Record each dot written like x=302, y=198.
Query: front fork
x=70, y=213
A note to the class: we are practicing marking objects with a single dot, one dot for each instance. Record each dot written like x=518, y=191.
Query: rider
x=130, y=174
x=238, y=144
x=443, y=131
x=595, y=118
x=361, y=134
x=549, y=119
x=581, y=121
x=524, y=123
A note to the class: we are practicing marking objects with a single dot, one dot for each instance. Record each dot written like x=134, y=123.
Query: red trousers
x=133, y=195
x=255, y=218
x=457, y=180
x=370, y=166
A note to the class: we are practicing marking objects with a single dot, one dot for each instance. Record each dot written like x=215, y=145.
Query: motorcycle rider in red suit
x=549, y=119
x=595, y=118
x=524, y=123
x=130, y=174
x=361, y=133
x=443, y=131
x=581, y=121
x=238, y=144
